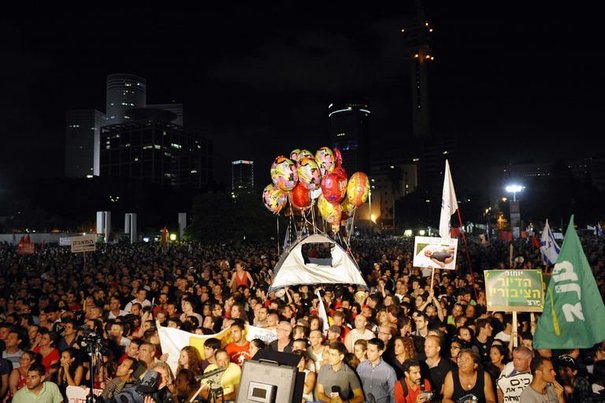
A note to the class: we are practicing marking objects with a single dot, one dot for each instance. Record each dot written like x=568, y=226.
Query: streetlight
x=515, y=213
x=514, y=189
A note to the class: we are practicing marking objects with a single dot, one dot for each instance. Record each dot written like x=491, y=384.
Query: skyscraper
x=124, y=92
x=349, y=132
x=149, y=147
x=82, y=131
x=242, y=176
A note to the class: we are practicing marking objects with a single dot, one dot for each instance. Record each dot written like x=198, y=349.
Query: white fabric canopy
x=292, y=269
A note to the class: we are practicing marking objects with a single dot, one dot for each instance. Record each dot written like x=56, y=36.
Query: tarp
x=292, y=269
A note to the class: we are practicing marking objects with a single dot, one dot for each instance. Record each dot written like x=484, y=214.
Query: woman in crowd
x=18, y=376
x=469, y=381
x=359, y=349
x=498, y=355
x=71, y=371
x=310, y=376
x=46, y=348
x=403, y=349
x=190, y=359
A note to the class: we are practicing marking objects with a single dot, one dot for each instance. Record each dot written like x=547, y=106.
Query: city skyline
x=513, y=86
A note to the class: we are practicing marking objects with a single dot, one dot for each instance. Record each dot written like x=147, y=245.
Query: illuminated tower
x=349, y=132
x=417, y=41
x=124, y=91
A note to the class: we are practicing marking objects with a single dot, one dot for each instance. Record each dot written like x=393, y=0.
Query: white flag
x=548, y=246
x=449, y=203
x=322, y=313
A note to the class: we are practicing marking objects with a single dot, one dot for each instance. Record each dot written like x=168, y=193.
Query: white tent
x=294, y=269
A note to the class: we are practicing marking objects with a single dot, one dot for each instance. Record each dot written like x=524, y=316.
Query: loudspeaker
x=271, y=377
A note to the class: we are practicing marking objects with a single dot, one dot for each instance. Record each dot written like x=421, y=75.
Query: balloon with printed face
x=305, y=154
x=283, y=173
x=300, y=197
x=274, y=198
x=294, y=154
x=325, y=160
x=347, y=208
x=337, y=157
x=358, y=189
x=308, y=173
x=334, y=187
x=329, y=212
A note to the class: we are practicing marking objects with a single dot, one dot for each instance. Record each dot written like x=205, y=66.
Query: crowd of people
x=70, y=320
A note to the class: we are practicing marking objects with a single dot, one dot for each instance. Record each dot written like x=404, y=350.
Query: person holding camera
x=412, y=388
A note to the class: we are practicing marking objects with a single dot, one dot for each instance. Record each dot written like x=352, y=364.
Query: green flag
x=573, y=308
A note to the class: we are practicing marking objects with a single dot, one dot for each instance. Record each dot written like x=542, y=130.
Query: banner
x=84, y=243
x=514, y=290
x=172, y=340
x=449, y=203
x=438, y=253
x=574, y=311
x=79, y=394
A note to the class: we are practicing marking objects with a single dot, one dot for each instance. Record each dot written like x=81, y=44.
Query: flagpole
x=277, y=221
x=468, y=256
x=515, y=335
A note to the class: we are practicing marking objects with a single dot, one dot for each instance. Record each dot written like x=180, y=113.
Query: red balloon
x=340, y=171
x=334, y=187
x=300, y=197
x=337, y=157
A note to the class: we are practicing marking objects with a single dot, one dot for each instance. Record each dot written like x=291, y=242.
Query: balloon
x=333, y=187
x=337, y=157
x=308, y=173
x=283, y=173
x=294, y=154
x=315, y=193
x=347, y=208
x=300, y=197
x=325, y=160
x=358, y=189
x=305, y=154
x=274, y=198
x=329, y=212
x=340, y=171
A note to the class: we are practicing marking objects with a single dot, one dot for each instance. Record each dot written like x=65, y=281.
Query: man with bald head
x=283, y=342
x=359, y=332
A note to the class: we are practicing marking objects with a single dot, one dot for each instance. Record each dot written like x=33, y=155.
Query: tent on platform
x=316, y=259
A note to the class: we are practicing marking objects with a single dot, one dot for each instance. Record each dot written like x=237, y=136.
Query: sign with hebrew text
x=514, y=290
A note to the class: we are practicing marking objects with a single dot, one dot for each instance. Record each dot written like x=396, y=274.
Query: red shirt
x=238, y=354
x=412, y=394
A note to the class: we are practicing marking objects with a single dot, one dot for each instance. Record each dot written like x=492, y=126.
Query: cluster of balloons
x=304, y=177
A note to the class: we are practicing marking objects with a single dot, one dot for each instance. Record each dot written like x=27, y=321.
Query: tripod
x=214, y=382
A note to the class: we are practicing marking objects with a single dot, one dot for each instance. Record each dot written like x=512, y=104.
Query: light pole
x=515, y=214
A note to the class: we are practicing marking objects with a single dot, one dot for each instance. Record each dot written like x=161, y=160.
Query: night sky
x=513, y=81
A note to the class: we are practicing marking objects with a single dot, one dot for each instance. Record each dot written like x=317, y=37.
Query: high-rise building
x=82, y=134
x=177, y=109
x=349, y=132
x=124, y=92
x=242, y=176
x=149, y=147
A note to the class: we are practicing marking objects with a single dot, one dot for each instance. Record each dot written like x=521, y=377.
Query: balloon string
x=277, y=221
